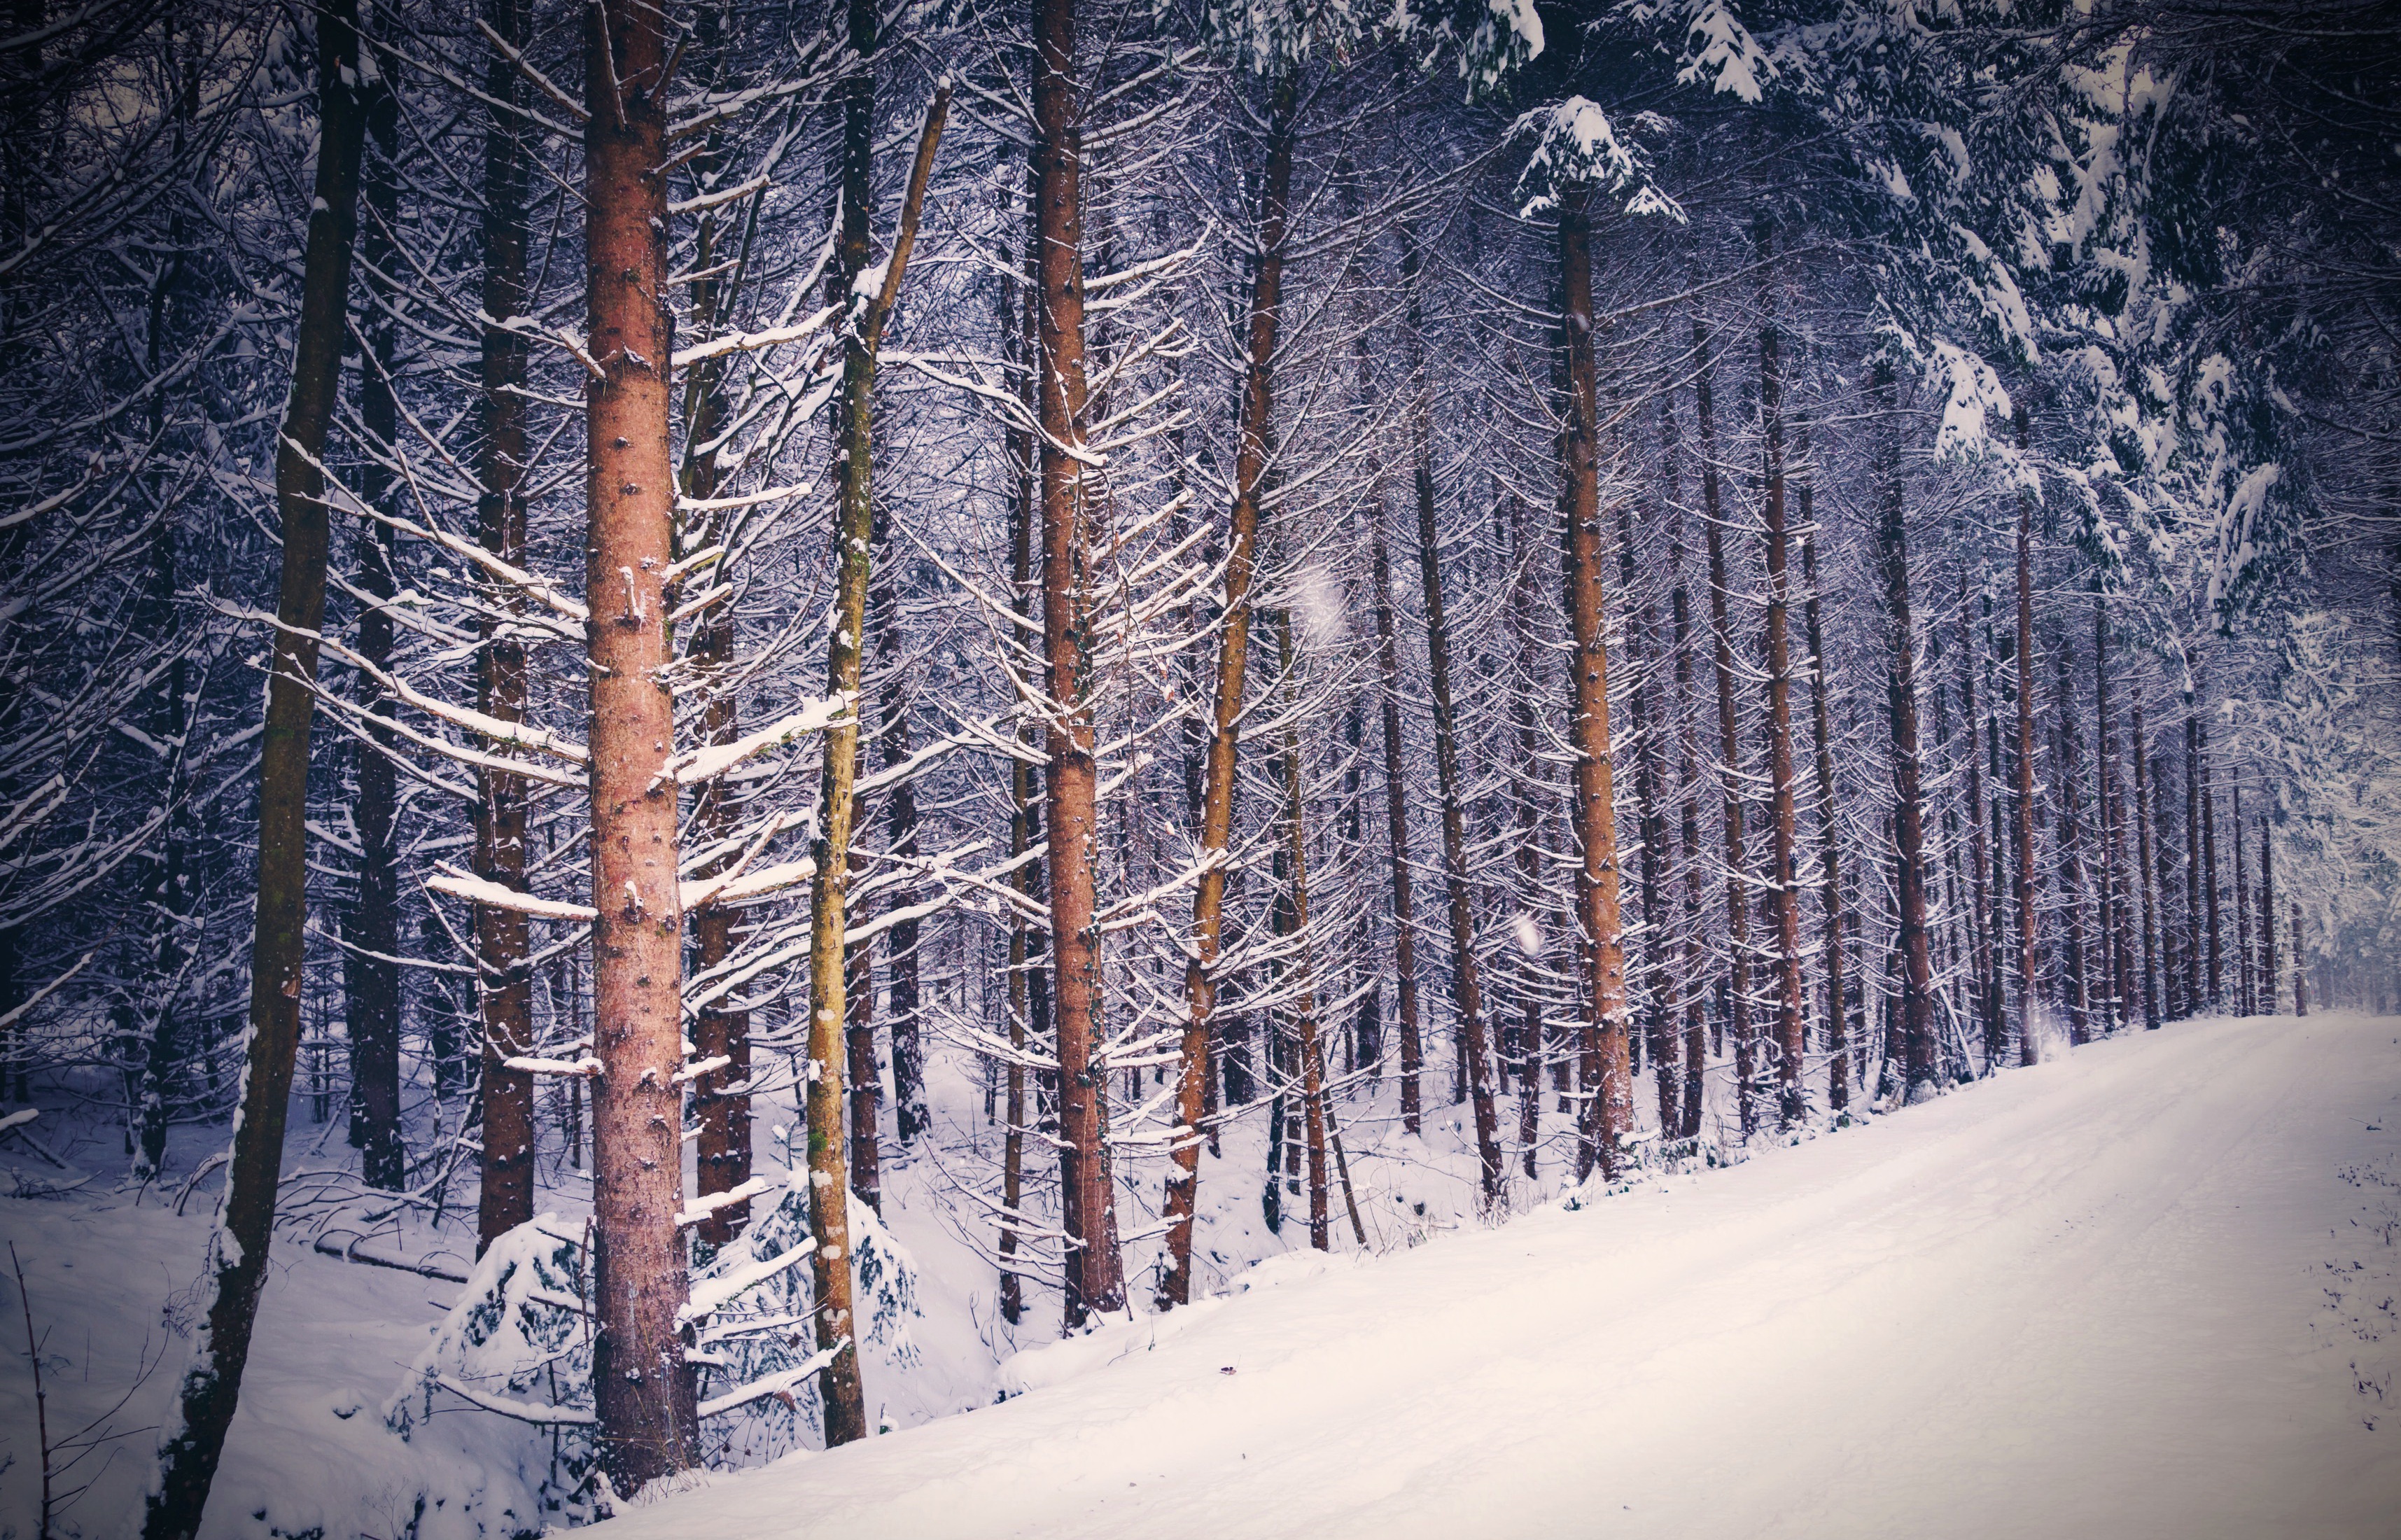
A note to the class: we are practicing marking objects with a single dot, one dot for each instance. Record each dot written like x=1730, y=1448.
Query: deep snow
x=2143, y=1290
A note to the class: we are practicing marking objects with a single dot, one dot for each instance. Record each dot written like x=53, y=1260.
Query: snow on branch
x=695, y=766
x=1574, y=140
x=491, y=895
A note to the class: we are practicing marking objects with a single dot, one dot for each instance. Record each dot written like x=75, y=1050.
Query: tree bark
x=1396, y=825
x=2071, y=855
x=2028, y=932
x=1609, y=1106
x=1679, y=607
x=1909, y=811
x=1661, y=1029
x=238, y=1247
x=642, y=1386
x=2209, y=849
x=504, y=987
x=1838, y=1082
x=1305, y=1005
x=1252, y=448
x=2269, y=985
x=1792, y=1096
x=1729, y=753
x=2146, y=872
x=1095, y=1273
x=371, y=977
x=2246, y=981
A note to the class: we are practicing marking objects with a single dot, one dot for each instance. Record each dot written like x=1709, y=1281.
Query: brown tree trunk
x=1095, y=1273
x=1466, y=975
x=1661, y=1029
x=642, y=1386
x=1792, y=1102
x=1252, y=447
x=1909, y=811
x=1838, y=1083
x=2117, y=968
x=238, y=1247
x=1397, y=824
x=1981, y=917
x=1313, y=1061
x=2145, y=872
x=1017, y=320
x=1609, y=1107
x=720, y=1103
x=2028, y=1043
x=371, y=976
x=1729, y=752
x=1523, y=720
x=505, y=987
x=1679, y=608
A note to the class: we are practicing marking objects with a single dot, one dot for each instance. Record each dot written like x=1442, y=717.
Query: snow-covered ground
x=2144, y=1290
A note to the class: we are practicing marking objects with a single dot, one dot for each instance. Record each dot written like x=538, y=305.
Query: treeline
x=1037, y=582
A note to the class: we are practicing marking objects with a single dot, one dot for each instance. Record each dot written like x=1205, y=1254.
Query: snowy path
x=2084, y=1299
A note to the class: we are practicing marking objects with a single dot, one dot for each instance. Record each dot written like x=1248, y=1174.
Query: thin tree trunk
x=2269, y=985
x=2146, y=871
x=1017, y=319
x=720, y=1102
x=1519, y=620
x=2028, y=1041
x=505, y=988
x=1305, y=1006
x=1095, y=1273
x=1252, y=448
x=2071, y=853
x=1466, y=974
x=238, y=1247
x=2209, y=851
x=1665, y=1041
x=2115, y=966
x=642, y=1385
x=2194, y=936
x=1680, y=608
x=1729, y=753
x=1397, y=824
x=2300, y=967
x=1792, y=1096
x=1909, y=811
x=2246, y=992
x=1981, y=915
x=1838, y=1084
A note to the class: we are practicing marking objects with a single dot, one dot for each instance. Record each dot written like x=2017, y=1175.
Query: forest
x=797, y=696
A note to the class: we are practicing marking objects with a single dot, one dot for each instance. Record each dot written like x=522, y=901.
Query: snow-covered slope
x=2144, y=1290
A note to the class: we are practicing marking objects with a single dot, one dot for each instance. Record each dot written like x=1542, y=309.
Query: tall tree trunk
x=2300, y=967
x=238, y=1247
x=1838, y=1083
x=2116, y=968
x=2194, y=938
x=1254, y=446
x=505, y=987
x=2028, y=933
x=2071, y=854
x=720, y=1100
x=2146, y=872
x=1729, y=751
x=2269, y=985
x=2246, y=991
x=1026, y=993
x=1980, y=915
x=1466, y=975
x=1305, y=1004
x=1688, y=813
x=1662, y=1027
x=371, y=974
x=642, y=1386
x=1792, y=1096
x=1909, y=812
x=1530, y=792
x=2209, y=849
x=1396, y=825
x=1095, y=1272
